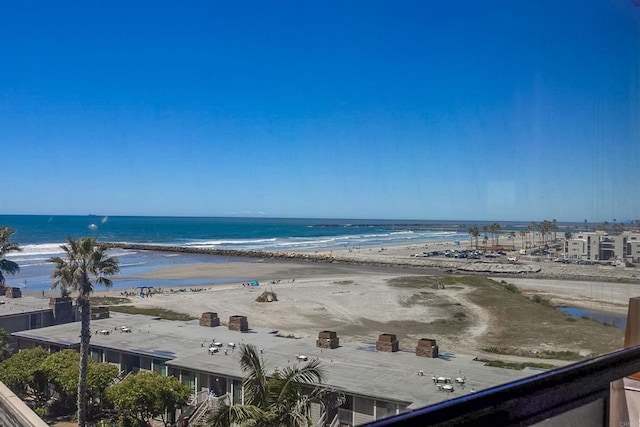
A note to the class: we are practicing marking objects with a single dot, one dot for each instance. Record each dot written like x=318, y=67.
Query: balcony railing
x=533, y=399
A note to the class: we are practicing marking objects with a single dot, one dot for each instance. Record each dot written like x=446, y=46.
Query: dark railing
x=530, y=400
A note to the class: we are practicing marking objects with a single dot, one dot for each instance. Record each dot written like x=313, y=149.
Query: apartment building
x=600, y=246
x=375, y=383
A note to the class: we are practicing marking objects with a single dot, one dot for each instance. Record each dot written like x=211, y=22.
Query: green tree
x=62, y=369
x=6, y=246
x=279, y=400
x=85, y=263
x=5, y=348
x=148, y=395
x=23, y=374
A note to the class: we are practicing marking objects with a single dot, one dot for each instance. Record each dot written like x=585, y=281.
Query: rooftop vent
x=387, y=342
x=328, y=339
x=209, y=319
x=238, y=323
x=427, y=348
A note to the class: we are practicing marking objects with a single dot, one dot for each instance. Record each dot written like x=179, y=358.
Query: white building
x=600, y=246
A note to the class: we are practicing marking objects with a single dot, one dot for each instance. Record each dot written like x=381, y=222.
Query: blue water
x=617, y=320
x=242, y=233
x=229, y=233
x=41, y=236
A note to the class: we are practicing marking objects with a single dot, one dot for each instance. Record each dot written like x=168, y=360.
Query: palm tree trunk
x=85, y=337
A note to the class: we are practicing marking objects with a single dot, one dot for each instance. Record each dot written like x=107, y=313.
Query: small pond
x=617, y=320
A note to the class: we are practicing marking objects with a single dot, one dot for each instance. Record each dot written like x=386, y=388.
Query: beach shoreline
x=404, y=256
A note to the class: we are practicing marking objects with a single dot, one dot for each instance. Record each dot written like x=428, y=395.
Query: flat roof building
x=376, y=384
x=600, y=246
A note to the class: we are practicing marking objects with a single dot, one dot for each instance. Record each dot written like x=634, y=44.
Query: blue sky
x=466, y=110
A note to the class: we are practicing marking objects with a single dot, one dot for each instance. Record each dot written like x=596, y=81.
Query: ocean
x=41, y=236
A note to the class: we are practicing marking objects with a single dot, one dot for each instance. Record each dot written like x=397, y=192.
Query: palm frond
x=85, y=264
x=9, y=266
x=290, y=379
x=242, y=415
x=255, y=378
x=5, y=245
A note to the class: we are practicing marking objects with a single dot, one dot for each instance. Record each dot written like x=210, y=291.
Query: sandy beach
x=352, y=295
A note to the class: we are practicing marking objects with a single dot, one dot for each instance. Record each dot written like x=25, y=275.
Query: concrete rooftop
x=10, y=306
x=354, y=367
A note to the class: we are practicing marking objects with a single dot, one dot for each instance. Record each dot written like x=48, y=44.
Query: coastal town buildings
x=600, y=246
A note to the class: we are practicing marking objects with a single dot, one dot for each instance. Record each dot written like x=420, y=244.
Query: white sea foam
x=31, y=253
x=131, y=264
x=213, y=243
x=380, y=238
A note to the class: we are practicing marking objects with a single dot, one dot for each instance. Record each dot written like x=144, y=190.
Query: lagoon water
x=617, y=320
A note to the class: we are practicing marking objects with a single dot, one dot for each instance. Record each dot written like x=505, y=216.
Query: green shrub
x=511, y=288
x=541, y=300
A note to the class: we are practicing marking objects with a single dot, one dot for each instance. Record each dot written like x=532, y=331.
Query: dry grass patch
x=417, y=282
x=519, y=366
x=102, y=300
x=421, y=298
x=520, y=326
x=518, y=322
x=152, y=311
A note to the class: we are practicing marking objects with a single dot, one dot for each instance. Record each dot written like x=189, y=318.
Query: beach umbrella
x=254, y=283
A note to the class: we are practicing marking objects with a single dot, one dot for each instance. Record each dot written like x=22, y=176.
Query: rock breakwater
x=444, y=265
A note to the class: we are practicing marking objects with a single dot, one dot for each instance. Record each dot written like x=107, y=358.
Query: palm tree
x=279, y=400
x=523, y=235
x=495, y=231
x=7, y=246
x=485, y=230
x=85, y=264
x=534, y=227
x=474, y=232
x=544, y=230
x=470, y=231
